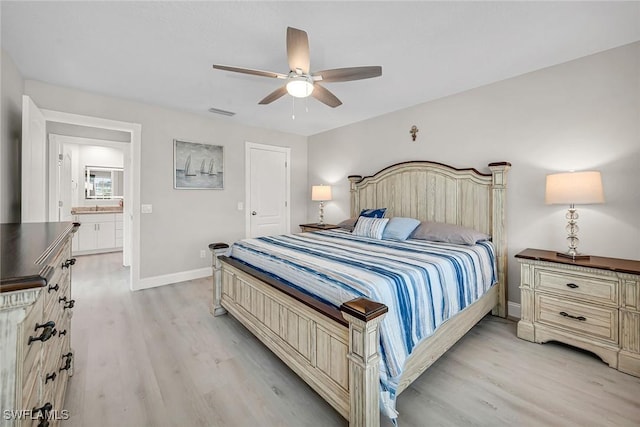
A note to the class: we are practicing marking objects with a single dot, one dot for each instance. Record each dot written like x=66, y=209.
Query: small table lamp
x=574, y=188
x=321, y=193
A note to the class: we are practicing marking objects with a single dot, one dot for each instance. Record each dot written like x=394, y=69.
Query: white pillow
x=370, y=227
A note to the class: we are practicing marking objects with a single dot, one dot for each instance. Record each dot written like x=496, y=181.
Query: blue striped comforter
x=422, y=283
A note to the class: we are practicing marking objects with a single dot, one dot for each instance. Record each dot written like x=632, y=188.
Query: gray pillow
x=348, y=224
x=448, y=233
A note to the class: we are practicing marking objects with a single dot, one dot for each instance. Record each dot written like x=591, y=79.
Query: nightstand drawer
x=591, y=288
x=585, y=319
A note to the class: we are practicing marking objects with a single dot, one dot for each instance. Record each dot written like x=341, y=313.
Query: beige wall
x=183, y=222
x=11, y=134
x=584, y=114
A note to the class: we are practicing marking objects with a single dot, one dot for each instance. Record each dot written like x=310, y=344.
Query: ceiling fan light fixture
x=299, y=86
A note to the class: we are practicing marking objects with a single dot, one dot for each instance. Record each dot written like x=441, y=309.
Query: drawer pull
x=51, y=377
x=61, y=299
x=67, y=362
x=572, y=285
x=48, y=332
x=68, y=263
x=42, y=414
x=70, y=304
x=61, y=333
x=580, y=318
x=50, y=323
x=53, y=288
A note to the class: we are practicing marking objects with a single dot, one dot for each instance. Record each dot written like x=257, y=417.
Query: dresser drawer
x=586, y=287
x=584, y=319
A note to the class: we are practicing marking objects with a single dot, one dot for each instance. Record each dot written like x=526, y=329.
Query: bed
x=334, y=343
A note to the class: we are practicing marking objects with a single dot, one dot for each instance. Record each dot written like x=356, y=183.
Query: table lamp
x=321, y=193
x=574, y=188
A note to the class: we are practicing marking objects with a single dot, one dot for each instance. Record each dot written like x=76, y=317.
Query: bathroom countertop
x=84, y=210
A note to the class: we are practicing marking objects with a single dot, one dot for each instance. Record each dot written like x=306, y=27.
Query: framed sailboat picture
x=198, y=166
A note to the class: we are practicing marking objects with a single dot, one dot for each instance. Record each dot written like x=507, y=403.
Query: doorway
x=35, y=164
x=267, y=190
x=87, y=176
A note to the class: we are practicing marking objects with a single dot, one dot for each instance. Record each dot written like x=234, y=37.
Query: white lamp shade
x=320, y=193
x=574, y=188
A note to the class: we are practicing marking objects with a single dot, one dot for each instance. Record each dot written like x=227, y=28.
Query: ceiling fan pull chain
x=293, y=108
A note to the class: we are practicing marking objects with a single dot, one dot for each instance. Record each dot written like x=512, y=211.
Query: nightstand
x=593, y=304
x=317, y=227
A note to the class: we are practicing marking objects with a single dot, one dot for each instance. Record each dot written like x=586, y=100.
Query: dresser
x=593, y=304
x=36, y=359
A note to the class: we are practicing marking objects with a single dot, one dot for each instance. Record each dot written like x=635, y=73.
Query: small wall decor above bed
x=414, y=132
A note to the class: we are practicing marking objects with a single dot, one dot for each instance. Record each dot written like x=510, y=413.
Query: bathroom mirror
x=103, y=182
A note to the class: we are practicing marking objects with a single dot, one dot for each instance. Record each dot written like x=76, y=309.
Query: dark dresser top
x=25, y=250
x=614, y=264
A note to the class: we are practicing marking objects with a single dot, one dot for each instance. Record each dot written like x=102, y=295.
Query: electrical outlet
x=203, y=253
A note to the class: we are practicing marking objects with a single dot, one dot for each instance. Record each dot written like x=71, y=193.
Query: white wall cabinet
x=100, y=232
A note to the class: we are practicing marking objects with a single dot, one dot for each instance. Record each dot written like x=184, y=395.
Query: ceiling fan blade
x=348, y=74
x=298, y=50
x=323, y=95
x=250, y=71
x=274, y=95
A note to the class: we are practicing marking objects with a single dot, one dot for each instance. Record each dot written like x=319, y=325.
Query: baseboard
x=513, y=309
x=167, y=279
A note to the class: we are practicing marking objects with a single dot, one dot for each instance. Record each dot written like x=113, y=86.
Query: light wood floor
x=158, y=358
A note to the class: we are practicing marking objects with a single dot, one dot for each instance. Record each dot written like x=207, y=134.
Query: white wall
x=183, y=222
x=584, y=114
x=11, y=133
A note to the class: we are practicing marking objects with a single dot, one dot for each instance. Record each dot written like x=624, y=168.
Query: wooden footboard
x=333, y=356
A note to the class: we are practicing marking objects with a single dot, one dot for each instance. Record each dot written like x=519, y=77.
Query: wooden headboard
x=436, y=192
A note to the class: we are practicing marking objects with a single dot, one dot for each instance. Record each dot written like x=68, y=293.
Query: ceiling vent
x=223, y=112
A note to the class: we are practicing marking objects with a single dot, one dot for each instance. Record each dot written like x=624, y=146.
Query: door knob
x=254, y=213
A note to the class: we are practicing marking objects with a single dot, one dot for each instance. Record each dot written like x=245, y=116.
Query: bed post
x=217, y=249
x=498, y=231
x=364, y=317
x=355, y=202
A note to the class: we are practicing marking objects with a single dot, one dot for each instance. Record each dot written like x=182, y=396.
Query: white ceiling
x=161, y=52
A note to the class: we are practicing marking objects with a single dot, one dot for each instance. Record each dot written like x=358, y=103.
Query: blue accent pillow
x=373, y=213
x=400, y=228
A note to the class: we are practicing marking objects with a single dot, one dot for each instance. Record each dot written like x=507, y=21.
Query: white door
x=106, y=235
x=65, y=184
x=34, y=163
x=61, y=182
x=87, y=236
x=267, y=190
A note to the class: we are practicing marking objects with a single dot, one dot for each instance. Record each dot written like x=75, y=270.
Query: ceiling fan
x=300, y=81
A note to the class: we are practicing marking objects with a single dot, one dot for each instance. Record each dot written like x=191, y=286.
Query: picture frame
x=197, y=166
